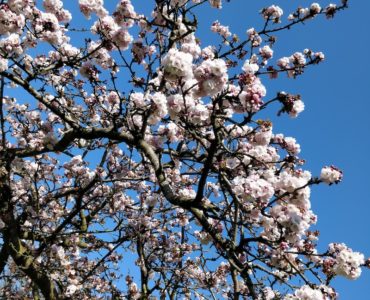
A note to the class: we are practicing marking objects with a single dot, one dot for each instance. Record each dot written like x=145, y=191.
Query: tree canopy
x=127, y=145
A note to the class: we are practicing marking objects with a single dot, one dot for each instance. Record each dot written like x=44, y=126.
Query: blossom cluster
x=177, y=65
x=345, y=262
x=331, y=175
x=272, y=12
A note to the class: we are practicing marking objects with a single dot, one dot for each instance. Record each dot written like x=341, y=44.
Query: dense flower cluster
x=212, y=77
x=47, y=28
x=252, y=94
x=177, y=65
x=345, y=262
x=125, y=15
x=11, y=22
x=220, y=29
x=273, y=12
x=331, y=175
x=89, y=7
x=56, y=7
x=308, y=293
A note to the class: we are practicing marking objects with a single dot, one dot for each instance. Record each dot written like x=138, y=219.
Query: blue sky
x=335, y=127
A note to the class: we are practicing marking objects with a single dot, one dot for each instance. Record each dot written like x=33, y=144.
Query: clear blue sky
x=335, y=127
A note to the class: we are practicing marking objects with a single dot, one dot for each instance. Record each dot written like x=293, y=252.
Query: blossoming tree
x=135, y=145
